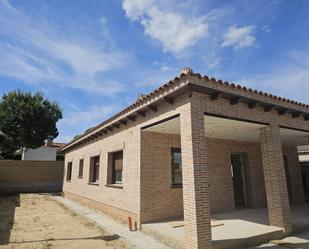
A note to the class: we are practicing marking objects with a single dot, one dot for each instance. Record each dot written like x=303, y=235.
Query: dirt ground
x=36, y=221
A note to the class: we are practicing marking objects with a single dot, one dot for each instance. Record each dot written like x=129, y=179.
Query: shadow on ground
x=105, y=238
x=8, y=203
x=296, y=245
x=286, y=243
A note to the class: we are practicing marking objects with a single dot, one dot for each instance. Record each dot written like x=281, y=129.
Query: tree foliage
x=76, y=137
x=26, y=121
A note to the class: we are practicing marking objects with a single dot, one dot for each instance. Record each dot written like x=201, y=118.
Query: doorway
x=239, y=163
x=305, y=176
x=287, y=175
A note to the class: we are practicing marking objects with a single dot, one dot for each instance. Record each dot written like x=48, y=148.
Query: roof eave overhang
x=181, y=88
x=187, y=87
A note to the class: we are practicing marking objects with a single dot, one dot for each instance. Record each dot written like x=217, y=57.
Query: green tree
x=26, y=121
x=76, y=137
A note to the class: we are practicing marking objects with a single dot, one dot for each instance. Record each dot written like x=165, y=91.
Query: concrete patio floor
x=237, y=229
x=299, y=241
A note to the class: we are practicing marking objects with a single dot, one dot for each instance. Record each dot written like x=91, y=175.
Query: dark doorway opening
x=305, y=176
x=287, y=175
x=239, y=163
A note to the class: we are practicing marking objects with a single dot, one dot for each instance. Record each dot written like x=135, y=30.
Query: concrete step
x=244, y=237
x=248, y=241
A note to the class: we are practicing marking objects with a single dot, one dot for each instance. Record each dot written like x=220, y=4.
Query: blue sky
x=94, y=57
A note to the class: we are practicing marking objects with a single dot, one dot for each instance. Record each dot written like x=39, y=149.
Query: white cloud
x=154, y=77
x=162, y=66
x=176, y=31
x=165, y=68
x=215, y=63
x=266, y=29
x=220, y=14
x=136, y=9
x=287, y=78
x=35, y=52
x=78, y=120
x=91, y=116
x=238, y=37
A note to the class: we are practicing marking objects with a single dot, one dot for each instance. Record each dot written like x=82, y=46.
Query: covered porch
x=249, y=165
x=236, y=229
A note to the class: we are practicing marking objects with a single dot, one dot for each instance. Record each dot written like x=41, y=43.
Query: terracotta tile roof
x=206, y=78
x=188, y=75
x=58, y=145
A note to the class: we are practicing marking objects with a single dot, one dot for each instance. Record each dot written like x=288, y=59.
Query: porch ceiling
x=229, y=129
x=294, y=137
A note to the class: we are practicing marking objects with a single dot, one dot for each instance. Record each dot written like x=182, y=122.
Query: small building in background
x=50, y=151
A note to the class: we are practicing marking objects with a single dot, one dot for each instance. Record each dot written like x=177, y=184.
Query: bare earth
x=36, y=221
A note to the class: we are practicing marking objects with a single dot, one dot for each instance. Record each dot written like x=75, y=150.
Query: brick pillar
x=195, y=178
x=275, y=180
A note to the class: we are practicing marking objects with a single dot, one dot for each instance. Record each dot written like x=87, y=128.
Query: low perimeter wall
x=30, y=176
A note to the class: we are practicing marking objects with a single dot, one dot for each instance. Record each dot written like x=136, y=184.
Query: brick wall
x=160, y=199
x=126, y=137
x=117, y=213
x=139, y=170
x=241, y=111
x=125, y=197
x=30, y=176
x=220, y=177
x=294, y=174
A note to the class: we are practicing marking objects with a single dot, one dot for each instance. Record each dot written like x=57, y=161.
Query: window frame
x=94, y=171
x=69, y=171
x=173, y=168
x=81, y=168
x=114, y=171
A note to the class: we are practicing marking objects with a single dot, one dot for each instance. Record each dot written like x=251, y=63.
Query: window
x=94, y=169
x=81, y=168
x=117, y=166
x=176, y=166
x=69, y=171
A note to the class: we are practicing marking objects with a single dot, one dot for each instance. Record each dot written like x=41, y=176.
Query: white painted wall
x=41, y=153
x=304, y=158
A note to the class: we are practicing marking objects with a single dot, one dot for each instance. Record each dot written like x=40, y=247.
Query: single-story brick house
x=193, y=147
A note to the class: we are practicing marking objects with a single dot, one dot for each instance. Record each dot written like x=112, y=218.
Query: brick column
x=275, y=180
x=195, y=178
